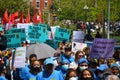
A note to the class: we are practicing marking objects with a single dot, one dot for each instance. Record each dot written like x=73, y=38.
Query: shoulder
x=2, y=78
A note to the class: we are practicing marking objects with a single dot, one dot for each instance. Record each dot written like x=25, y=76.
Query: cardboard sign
x=13, y=40
x=102, y=48
x=62, y=34
x=78, y=46
x=21, y=32
x=19, y=61
x=37, y=34
x=78, y=36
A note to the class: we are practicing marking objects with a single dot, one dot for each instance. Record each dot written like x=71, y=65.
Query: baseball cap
x=103, y=67
x=82, y=60
x=114, y=65
x=49, y=61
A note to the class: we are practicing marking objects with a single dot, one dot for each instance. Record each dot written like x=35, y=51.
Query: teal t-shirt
x=45, y=76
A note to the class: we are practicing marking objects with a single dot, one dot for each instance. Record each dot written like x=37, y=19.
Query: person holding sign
x=3, y=40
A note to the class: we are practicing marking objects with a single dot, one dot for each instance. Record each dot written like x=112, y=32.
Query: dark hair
x=2, y=67
x=68, y=72
x=32, y=55
x=81, y=76
x=32, y=70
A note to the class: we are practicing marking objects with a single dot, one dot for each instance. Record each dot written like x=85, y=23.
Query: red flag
x=27, y=20
x=5, y=17
x=11, y=18
x=16, y=15
x=21, y=18
x=40, y=19
x=34, y=18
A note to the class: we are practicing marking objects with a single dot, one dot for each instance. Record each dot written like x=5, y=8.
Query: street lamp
x=85, y=8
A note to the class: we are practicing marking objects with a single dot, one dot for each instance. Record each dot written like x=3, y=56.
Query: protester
x=112, y=77
x=3, y=40
x=86, y=74
x=82, y=64
x=34, y=70
x=115, y=69
x=88, y=36
x=2, y=72
x=68, y=55
x=26, y=70
x=98, y=35
x=79, y=54
x=71, y=75
x=93, y=65
x=49, y=73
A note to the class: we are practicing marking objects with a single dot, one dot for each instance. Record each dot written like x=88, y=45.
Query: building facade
x=44, y=7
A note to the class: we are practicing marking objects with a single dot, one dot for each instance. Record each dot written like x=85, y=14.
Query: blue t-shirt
x=45, y=76
x=2, y=78
x=68, y=59
x=25, y=71
x=30, y=76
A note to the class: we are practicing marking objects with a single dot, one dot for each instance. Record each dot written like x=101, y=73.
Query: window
x=46, y=3
x=37, y=4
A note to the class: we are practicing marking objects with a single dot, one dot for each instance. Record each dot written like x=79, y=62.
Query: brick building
x=44, y=6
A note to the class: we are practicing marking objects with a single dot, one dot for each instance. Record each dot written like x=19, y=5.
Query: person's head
x=115, y=68
x=112, y=77
x=82, y=64
x=2, y=69
x=68, y=52
x=78, y=55
x=32, y=58
x=65, y=65
x=87, y=75
x=49, y=65
x=71, y=75
x=35, y=67
x=93, y=65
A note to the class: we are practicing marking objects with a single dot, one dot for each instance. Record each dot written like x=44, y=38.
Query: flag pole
x=108, y=19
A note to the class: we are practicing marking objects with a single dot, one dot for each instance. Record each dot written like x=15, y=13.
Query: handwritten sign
x=37, y=33
x=21, y=32
x=102, y=48
x=13, y=40
x=62, y=34
x=78, y=46
x=78, y=36
x=20, y=54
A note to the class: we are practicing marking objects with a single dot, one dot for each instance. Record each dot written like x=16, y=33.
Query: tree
x=73, y=9
x=14, y=5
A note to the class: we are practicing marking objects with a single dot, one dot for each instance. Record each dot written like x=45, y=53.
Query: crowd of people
x=64, y=65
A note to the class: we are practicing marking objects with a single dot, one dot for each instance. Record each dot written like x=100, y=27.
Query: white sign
x=20, y=54
x=25, y=25
x=78, y=46
x=78, y=36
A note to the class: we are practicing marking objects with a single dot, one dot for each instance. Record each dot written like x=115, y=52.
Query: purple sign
x=102, y=48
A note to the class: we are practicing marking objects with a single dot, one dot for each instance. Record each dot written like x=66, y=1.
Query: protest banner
x=62, y=34
x=102, y=48
x=78, y=36
x=19, y=60
x=78, y=46
x=21, y=32
x=37, y=34
x=13, y=40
